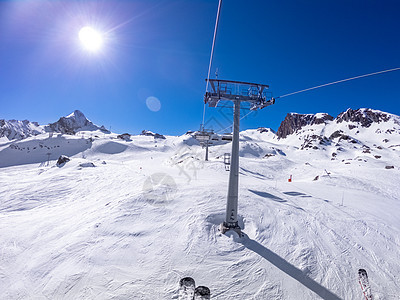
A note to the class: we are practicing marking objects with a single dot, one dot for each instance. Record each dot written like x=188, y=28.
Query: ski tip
x=187, y=281
x=203, y=292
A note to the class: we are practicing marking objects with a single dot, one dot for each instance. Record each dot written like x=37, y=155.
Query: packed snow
x=128, y=218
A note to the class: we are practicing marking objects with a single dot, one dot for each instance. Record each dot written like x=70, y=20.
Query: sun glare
x=91, y=39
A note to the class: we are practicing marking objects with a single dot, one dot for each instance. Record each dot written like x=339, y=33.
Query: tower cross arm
x=230, y=90
x=236, y=82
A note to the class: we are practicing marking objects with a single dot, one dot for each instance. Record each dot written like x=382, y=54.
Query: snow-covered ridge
x=293, y=123
x=363, y=117
x=18, y=130
x=362, y=131
x=71, y=124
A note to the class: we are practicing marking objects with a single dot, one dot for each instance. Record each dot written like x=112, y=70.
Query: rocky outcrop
x=155, y=135
x=311, y=141
x=263, y=130
x=62, y=160
x=364, y=116
x=339, y=134
x=125, y=136
x=293, y=122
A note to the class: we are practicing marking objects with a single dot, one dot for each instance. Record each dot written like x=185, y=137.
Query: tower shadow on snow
x=288, y=268
x=268, y=195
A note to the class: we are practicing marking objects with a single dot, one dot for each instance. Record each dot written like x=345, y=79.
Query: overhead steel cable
x=212, y=55
x=339, y=81
x=232, y=123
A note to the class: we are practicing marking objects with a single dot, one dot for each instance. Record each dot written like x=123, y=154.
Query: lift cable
x=232, y=123
x=211, y=56
x=339, y=81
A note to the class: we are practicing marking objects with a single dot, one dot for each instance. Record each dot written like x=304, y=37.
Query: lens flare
x=153, y=103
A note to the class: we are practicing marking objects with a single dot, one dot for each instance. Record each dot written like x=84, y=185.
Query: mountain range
x=71, y=124
x=353, y=134
x=292, y=124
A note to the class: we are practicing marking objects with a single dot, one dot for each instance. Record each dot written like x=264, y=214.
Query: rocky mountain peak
x=363, y=116
x=72, y=123
x=79, y=118
x=293, y=122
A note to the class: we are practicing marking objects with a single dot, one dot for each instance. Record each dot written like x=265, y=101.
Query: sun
x=91, y=39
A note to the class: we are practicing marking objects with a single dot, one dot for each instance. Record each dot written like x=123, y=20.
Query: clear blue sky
x=162, y=48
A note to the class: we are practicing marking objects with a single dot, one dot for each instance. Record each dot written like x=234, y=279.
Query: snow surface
x=128, y=220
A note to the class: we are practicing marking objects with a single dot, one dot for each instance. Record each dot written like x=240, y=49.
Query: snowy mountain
x=71, y=124
x=13, y=129
x=362, y=128
x=128, y=216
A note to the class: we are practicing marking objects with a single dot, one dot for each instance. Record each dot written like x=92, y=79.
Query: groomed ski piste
x=129, y=219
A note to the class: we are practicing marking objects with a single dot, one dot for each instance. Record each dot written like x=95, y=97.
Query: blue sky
x=161, y=49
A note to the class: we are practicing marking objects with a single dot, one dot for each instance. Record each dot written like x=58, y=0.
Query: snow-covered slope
x=126, y=219
x=42, y=148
